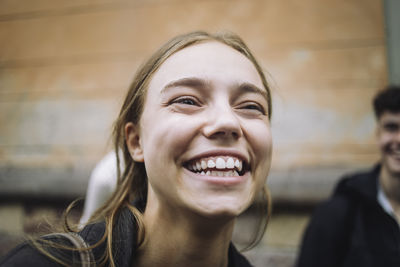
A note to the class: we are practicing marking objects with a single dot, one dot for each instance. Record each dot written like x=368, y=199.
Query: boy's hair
x=387, y=100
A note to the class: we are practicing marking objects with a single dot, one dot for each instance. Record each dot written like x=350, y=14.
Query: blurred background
x=66, y=65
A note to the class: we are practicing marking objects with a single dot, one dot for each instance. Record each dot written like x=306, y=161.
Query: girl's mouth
x=221, y=166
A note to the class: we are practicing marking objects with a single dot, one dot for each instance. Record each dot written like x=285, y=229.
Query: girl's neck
x=173, y=239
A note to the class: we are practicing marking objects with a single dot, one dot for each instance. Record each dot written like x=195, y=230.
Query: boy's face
x=389, y=142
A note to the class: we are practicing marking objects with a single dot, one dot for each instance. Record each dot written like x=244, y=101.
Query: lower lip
x=220, y=181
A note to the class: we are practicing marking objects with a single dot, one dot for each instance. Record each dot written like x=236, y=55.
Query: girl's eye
x=253, y=107
x=185, y=101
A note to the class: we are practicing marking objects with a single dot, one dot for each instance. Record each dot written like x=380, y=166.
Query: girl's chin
x=215, y=210
x=217, y=197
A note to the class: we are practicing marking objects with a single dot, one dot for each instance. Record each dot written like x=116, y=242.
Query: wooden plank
x=23, y=183
x=302, y=155
x=41, y=7
x=119, y=31
x=56, y=122
x=324, y=127
x=303, y=67
x=307, y=185
x=108, y=80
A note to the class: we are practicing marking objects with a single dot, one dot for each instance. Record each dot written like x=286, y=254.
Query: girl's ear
x=132, y=139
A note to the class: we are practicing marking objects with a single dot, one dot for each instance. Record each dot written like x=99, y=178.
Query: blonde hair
x=132, y=181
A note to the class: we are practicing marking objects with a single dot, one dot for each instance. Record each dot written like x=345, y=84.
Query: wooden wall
x=65, y=66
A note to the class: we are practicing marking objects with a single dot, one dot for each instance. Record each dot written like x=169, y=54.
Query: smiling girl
x=195, y=134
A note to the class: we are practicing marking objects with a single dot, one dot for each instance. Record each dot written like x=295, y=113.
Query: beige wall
x=65, y=65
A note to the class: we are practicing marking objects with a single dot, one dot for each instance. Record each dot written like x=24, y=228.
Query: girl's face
x=204, y=135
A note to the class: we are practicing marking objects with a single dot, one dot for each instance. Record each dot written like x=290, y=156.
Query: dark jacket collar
x=124, y=238
x=362, y=185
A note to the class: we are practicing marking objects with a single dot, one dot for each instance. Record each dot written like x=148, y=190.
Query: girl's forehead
x=209, y=60
x=210, y=52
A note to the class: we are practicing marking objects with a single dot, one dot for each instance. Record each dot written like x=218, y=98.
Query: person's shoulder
x=334, y=209
x=362, y=174
x=358, y=185
x=340, y=206
x=350, y=180
x=26, y=254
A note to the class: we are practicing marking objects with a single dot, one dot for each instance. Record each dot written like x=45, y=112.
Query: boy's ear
x=132, y=139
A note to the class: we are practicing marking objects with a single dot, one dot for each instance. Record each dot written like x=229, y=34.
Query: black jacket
x=124, y=234
x=351, y=228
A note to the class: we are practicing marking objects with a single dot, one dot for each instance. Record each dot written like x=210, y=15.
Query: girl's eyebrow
x=251, y=88
x=192, y=82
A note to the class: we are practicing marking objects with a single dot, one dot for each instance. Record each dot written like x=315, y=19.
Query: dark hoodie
x=351, y=228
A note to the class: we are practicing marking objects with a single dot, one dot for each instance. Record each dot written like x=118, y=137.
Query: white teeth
x=230, y=163
x=198, y=166
x=220, y=163
x=210, y=164
x=229, y=173
x=203, y=164
x=217, y=173
x=238, y=164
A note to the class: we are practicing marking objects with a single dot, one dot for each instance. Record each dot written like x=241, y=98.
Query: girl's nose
x=222, y=122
